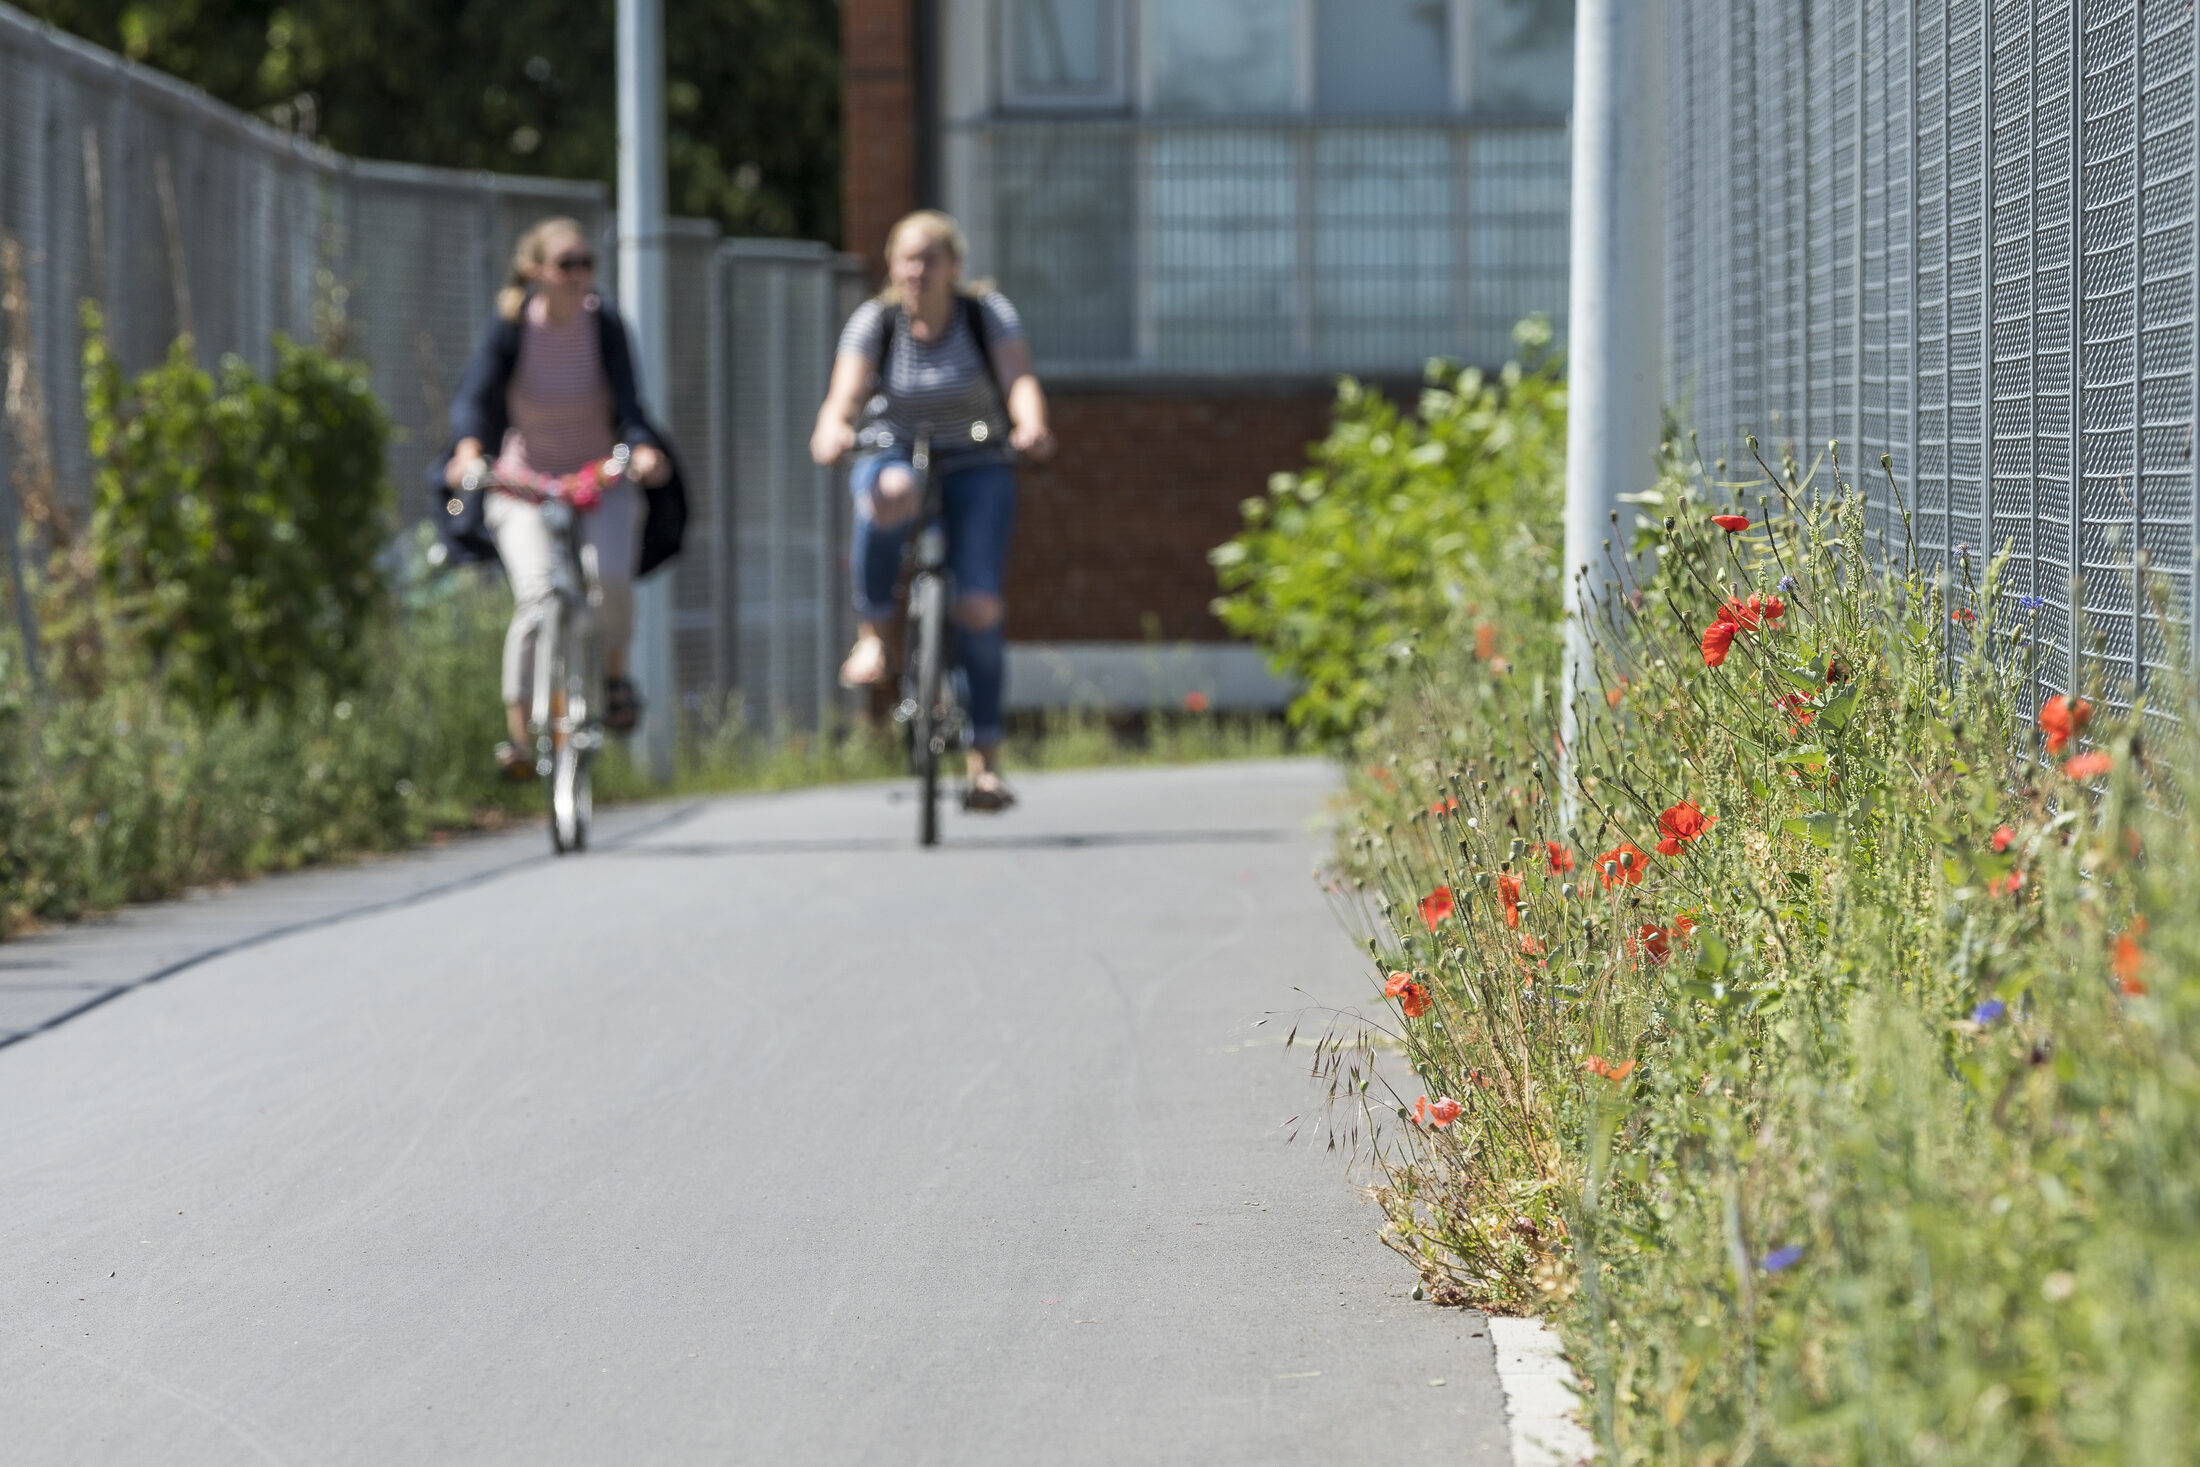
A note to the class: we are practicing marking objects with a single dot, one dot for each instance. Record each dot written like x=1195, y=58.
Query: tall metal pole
x=1616, y=306
x=641, y=61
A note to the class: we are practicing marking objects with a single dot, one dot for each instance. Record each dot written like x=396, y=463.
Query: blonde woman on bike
x=925, y=351
x=550, y=389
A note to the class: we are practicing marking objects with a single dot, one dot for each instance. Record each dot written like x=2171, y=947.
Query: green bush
x=127, y=794
x=1407, y=527
x=1860, y=1124
x=236, y=521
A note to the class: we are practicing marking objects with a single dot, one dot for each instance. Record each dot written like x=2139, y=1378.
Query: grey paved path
x=760, y=1138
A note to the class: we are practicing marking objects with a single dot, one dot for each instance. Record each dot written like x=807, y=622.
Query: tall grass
x=1857, y=1120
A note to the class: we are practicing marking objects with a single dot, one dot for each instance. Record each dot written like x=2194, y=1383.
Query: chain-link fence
x=1963, y=235
x=177, y=215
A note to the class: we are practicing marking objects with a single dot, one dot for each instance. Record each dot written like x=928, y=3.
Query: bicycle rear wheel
x=927, y=730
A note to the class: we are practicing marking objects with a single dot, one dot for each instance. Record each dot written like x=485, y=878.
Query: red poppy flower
x=2005, y=885
x=1792, y=704
x=1733, y=524
x=1597, y=1064
x=1772, y=608
x=1717, y=639
x=1195, y=702
x=1443, y=807
x=2129, y=957
x=1623, y=865
x=2003, y=838
x=1685, y=923
x=2061, y=719
x=1411, y=993
x=1742, y=613
x=1562, y=860
x=1681, y=824
x=1485, y=640
x=1509, y=889
x=1436, y=906
x=1963, y=616
x=1531, y=944
x=1615, y=693
x=1381, y=776
x=2088, y=766
x=1652, y=939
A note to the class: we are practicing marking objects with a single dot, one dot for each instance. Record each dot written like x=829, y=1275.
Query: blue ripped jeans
x=978, y=505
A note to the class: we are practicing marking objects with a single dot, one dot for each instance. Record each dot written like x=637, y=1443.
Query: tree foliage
x=521, y=86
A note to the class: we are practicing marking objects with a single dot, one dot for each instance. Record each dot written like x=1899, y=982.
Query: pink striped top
x=559, y=397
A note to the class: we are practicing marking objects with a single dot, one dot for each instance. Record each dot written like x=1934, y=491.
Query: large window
x=1287, y=185
x=1521, y=55
x=1383, y=56
x=1222, y=56
x=1062, y=53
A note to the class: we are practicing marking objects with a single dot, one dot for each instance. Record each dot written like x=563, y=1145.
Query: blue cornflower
x=1989, y=1011
x=1787, y=585
x=2031, y=603
x=1780, y=1258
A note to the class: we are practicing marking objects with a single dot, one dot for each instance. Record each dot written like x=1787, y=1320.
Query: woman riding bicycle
x=931, y=354
x=551, y=389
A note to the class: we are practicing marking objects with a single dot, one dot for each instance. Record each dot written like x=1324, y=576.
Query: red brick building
x=1205, y=210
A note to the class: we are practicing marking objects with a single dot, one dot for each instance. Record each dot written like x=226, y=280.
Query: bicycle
x=930, y=709
x=565, y=716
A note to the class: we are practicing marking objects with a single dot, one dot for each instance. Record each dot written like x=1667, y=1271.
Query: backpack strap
x=972, y=311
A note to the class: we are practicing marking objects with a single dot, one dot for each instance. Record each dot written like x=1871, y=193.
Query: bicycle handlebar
x=584, y=483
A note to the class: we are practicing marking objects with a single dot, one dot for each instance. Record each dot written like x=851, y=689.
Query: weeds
x=1824, y=1053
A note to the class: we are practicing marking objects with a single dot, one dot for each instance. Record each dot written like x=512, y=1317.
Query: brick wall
x=1118, y=527
x=878, y=111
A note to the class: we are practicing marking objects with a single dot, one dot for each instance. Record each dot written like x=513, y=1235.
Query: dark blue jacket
x=481, y=412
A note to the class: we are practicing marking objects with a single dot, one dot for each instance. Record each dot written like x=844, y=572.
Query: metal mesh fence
x=1274, y=246
x=175, y=215
x=1963, y=235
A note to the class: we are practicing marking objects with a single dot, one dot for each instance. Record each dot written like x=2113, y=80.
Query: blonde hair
x=532, y=253
x=938, y=228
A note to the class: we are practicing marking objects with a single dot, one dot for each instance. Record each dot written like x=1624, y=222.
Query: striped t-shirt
x=559, y=397
x=941, y=382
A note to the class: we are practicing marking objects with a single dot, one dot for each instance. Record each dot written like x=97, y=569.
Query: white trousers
x=610, y=546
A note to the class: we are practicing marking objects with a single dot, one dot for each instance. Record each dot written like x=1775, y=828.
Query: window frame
x=1017, y=101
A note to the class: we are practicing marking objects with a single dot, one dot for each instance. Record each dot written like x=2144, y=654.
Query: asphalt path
x=757, y=1136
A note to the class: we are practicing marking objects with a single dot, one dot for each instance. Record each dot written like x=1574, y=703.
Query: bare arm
x=835, y=433
x=1027, y=400
x=464, y=457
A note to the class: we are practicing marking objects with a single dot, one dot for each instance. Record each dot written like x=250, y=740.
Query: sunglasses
x=573, y=264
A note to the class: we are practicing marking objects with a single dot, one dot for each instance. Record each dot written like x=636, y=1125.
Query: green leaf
x=1806, y=679
x=1711, y=953
x=1817, y=828
x=1837, y=710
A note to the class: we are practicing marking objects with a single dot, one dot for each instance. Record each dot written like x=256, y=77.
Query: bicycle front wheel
x=927, y=729
x=568, y=783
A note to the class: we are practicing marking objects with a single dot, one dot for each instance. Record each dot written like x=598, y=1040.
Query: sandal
x=622, y=706
x=865, y=665
x=514, y=763
x=987, y=795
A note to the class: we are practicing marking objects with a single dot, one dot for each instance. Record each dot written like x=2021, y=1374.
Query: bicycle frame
x=564, y=713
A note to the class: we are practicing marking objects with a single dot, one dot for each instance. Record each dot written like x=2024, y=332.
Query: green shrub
x=1406, y=528
x=127, y=794
x=1859, y=1125
x=236, y=521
